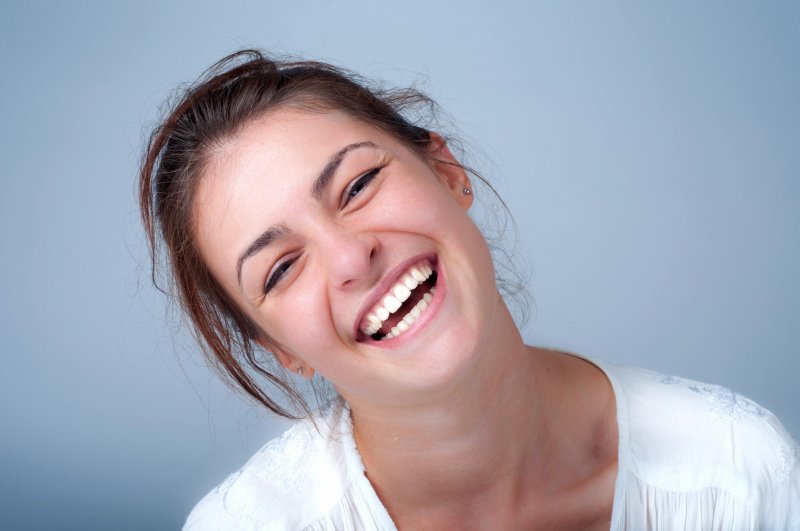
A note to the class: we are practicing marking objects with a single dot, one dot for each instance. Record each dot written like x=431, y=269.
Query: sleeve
x=212, y=512
x=780, y=507
x=291, y=481
x=252, y=498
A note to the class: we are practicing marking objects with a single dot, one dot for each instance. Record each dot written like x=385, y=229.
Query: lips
x=400, y=305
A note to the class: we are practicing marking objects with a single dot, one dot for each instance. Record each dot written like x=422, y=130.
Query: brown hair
x=234, y=91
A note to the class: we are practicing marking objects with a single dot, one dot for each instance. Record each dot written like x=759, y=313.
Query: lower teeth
x=410, y=318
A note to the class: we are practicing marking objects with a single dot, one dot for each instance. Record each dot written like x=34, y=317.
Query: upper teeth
x=395, y=297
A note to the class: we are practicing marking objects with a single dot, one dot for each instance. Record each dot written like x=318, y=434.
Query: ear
x=450, y=171
x=289, y=361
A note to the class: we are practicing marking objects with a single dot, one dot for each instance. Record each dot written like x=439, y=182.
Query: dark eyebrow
x=325, y=176
x=320, y=184
x=266, y=238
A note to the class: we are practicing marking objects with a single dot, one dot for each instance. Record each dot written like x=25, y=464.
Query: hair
x=234, y=91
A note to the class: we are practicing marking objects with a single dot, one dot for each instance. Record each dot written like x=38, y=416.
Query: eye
x=277, y=274
x=358, y=185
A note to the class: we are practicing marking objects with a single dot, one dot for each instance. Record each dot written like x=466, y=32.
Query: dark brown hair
x=233, y=92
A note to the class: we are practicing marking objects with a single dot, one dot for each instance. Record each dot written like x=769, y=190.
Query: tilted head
x=197, y=133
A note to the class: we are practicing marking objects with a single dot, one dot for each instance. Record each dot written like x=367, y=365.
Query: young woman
x=304, y=216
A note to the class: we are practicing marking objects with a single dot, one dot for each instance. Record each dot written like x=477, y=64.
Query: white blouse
x=691, y=456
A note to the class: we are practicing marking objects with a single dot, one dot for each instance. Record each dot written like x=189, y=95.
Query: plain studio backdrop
x=650, y=155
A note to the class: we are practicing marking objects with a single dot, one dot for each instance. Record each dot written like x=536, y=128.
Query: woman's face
x=319, y=225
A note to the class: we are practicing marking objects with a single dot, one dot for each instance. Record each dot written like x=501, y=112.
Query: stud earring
x=300, y=371
x=466, y=191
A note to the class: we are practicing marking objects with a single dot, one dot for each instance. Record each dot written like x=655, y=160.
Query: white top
x=691, y=456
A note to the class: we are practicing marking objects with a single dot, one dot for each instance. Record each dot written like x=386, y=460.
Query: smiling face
x=353, y=255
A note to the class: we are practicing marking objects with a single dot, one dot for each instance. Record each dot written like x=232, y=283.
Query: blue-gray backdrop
x=649, y=151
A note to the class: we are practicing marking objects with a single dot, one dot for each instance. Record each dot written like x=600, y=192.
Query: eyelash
x=275, y=277
x=364, y=181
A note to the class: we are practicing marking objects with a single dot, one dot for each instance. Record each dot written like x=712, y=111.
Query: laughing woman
x=312, y=229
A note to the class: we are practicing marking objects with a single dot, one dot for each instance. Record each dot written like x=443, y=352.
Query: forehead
x=275, y=156
x=285, y=140
x=263, y=175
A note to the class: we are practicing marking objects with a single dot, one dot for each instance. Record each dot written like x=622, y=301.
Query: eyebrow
x=265, y=239
x=327, y=173
x=317, y=191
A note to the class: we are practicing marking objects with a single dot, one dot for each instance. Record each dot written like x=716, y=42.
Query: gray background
x=650, y=155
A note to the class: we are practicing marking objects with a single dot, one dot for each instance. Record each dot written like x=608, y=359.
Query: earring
x=300, y=371
x=466, y=191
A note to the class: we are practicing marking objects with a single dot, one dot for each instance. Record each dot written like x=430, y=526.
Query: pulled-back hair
x=228, y=96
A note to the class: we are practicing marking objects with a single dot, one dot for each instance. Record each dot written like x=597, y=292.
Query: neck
x=485, y=433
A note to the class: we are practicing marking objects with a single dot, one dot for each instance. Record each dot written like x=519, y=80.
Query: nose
x=349, y=257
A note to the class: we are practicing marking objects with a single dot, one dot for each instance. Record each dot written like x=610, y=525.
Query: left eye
x=276, y=275
x=358, y=185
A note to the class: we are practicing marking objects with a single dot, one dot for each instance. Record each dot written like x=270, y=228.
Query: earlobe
x=451, y=172
x=289, y=361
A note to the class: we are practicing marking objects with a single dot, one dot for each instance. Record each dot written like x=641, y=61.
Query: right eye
x=277, y=273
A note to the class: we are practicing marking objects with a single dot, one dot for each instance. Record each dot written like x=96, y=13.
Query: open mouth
x=403, y=303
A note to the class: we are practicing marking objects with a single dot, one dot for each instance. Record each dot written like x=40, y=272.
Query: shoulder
x=287, y=484
x=683, y=435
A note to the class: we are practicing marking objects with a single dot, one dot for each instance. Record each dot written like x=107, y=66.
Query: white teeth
x=401, y=292
x=395, y=297
x=417, y=275
x=391, y=303
x=373, y=325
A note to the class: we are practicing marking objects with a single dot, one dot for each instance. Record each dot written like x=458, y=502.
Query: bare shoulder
x=584, y=385
x=588, y=404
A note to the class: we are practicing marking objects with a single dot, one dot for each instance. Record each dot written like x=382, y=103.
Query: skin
x=504, y=436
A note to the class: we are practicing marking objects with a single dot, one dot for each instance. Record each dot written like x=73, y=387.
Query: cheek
x=429, y=208
x=433, y=209
x=301, y=322
x=420, y=203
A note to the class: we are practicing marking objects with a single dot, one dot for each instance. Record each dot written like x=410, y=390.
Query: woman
x=304, y=216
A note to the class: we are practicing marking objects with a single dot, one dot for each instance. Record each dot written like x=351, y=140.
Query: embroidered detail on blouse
x=667, y=379
x=727, y=404
x=280, y=468
x=788, y=454
x=242, y=517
